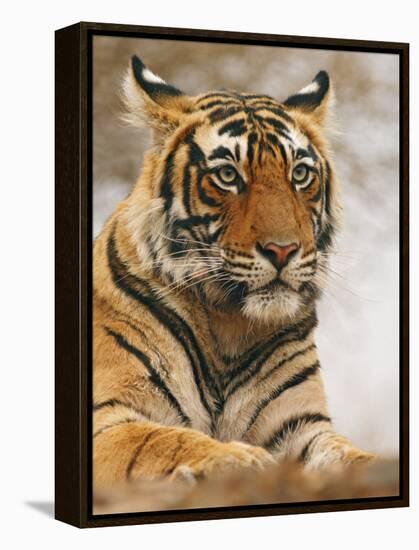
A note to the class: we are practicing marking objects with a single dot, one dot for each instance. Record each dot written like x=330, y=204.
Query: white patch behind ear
x=151, y=77
x=311, y=88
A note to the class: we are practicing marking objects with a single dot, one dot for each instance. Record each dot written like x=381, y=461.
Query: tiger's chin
x=275, y=303
x=281, y=307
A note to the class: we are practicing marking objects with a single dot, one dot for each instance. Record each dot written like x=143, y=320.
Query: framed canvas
x=232, y=315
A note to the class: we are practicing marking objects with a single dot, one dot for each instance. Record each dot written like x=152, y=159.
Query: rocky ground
x=281, y=484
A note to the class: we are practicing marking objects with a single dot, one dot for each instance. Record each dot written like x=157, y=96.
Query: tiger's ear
x=150, y=101
x=316, y=98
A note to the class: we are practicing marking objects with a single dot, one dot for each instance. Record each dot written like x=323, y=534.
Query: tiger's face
x=237, y=200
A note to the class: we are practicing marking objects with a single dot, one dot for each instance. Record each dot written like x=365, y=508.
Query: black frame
x=73, y=244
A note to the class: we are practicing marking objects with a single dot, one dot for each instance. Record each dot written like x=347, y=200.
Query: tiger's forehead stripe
x=246, y=102
x=238, y=114
x=234, y=128
x=308, y=153
x=221, y=152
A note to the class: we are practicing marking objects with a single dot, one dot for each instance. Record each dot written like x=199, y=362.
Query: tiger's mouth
x=273, y=286
x=241, y=291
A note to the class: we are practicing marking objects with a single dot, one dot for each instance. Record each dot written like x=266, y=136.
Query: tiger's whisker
x=190, y=284
x=187, y=279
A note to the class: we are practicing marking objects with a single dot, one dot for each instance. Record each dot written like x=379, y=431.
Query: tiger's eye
x=300, y=173
x=227, y=174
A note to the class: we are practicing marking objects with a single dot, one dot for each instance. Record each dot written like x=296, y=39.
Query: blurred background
x=358, y=334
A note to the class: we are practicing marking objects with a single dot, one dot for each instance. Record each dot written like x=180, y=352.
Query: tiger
x=205, y=284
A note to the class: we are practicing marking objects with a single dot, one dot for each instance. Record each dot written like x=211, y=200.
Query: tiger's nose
x=278, y=254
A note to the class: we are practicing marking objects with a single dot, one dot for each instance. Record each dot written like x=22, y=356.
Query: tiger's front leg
x=310, y=440
x=130, y=450
x=286, y=413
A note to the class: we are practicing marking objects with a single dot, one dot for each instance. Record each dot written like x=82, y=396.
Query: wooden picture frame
x=73, y=243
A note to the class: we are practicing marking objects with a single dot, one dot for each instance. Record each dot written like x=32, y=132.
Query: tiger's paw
x=357, y=456
x=225, y=457
x=337, y=451
x=346, y=453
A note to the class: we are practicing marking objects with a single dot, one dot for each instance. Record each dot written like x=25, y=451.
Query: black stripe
x=324, y=239
x=312, y=152
x=262, y=101
x=206, y=199
x=304, y=455
x=287, y=359
x=209, y=105
x=196, y=155
x=115, y=403
x=137, y=453
x=320, y=173
x=317, y=196
x=259, y=354
x=255, y=97
x=281, y=113
x=219, y=103
x=223, y=112
x=237, y=151
x=233, y=253
x=176, y=455
x=251, y=142
x=290, y=426
x=325, y=236
x=234, y=128
x=209, y=95
x=308, y=263
x=273, y=125
x=279, y=126
x=295, y=380
x=115, y=424
x=154, y=376
x=302, y=153
x=186, y=223
x=177, y=246
x=327, y=188
x=184, y=234
x=315, y=220
x=217, y=234
x=307, y=253
x=221, y=152
x=272, y=138
x=241, y=265
x=128, y=321
x=186, y=188
x=276, y=110
x=166, y=191
x=283, y=152
x=141, y=292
